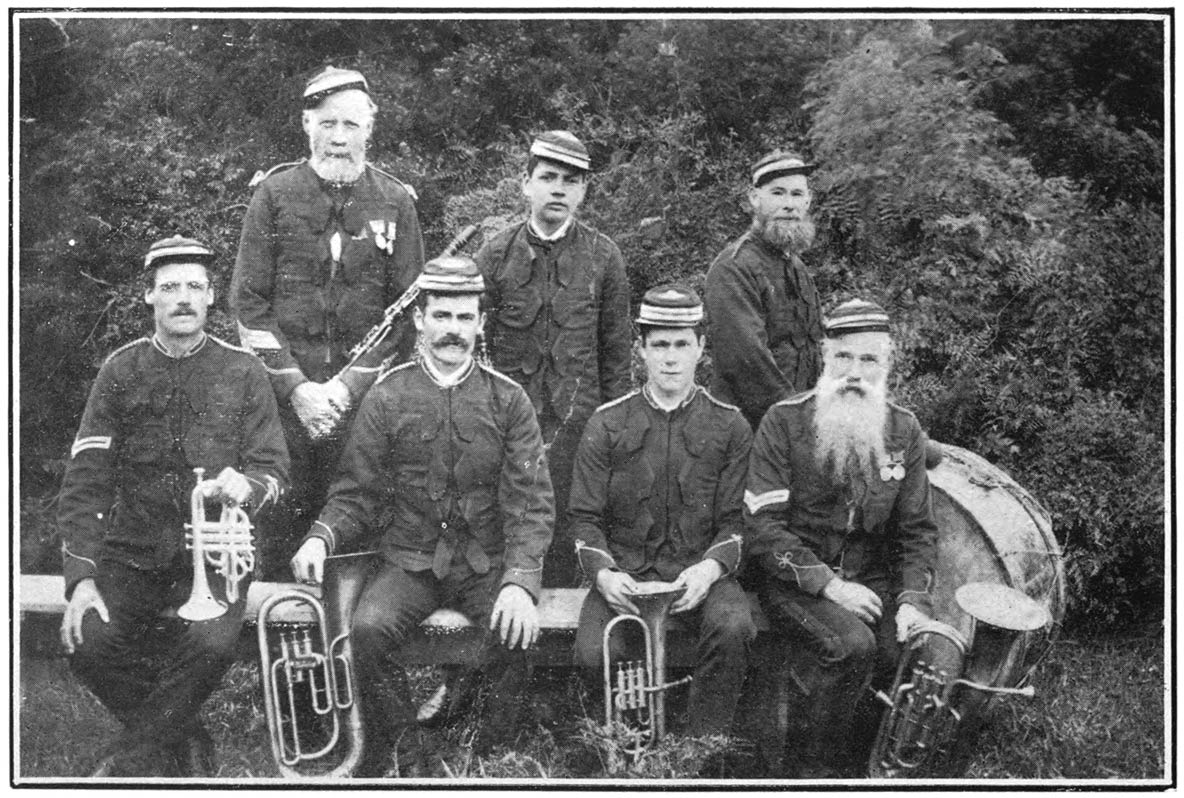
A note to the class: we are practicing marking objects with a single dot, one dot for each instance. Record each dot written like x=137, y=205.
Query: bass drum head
x=991, y=530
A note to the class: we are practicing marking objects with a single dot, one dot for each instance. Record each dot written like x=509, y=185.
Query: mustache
x=183, y=310
x=853, y=386
x=449, y=340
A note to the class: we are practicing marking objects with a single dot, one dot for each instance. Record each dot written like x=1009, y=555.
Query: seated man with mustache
x=842, y=525
x=763, y=315
x=445, y=464
x=159, y=408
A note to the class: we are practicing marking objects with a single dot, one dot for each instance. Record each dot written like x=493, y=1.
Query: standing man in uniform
x=327, y=244
x=763, y=313
x=558, y=315
x=843, y=528
x=445, y=462
x=159, y=408
x=657, y=495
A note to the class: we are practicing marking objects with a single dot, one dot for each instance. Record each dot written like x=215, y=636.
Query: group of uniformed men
x=481, y=484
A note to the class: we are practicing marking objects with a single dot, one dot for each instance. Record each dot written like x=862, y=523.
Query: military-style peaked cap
x=856, y=316
x=778, y=164
x=670, y=305
x=451, y=274
x=331, y=80
x=178, y=250
x=561, y=146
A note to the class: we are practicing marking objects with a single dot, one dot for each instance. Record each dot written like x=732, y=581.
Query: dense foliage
x=997, y=184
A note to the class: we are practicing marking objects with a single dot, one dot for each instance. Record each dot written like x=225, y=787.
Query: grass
x=1098, y=714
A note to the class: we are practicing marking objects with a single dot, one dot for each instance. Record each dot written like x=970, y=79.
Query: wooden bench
x=446, y=636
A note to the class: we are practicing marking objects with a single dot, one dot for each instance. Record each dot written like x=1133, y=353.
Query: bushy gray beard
x=338, y=170
x=849, y=431
x=791, y=235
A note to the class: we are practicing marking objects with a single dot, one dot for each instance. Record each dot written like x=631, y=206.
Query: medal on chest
x=894, y=468
x=384, y=235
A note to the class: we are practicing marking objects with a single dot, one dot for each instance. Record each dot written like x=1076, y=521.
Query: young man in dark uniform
x=558, y=301
x=657, y=497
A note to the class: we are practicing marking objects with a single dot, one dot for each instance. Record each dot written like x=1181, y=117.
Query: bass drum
x=992, y=530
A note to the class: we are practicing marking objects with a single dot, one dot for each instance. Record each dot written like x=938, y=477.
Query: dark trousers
x=844, y=653
x=726, y=632
x=392, y=605
x=154, y=674
x=560, y=567
x=313, y=467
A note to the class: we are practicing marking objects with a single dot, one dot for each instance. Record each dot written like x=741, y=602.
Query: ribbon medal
x=894, y=468
x=384, y=235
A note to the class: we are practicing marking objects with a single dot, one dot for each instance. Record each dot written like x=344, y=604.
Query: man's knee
x=731, y=631
x=853, y=644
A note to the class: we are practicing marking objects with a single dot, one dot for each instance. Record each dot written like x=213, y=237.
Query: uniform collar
x=193, y=350
x=558, y=234
x=649, y=398
x=446, y=380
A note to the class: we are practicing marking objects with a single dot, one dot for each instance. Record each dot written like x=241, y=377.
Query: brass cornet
x=225, y=544
x=315, y=660
x=944, y=676
x=636, y=693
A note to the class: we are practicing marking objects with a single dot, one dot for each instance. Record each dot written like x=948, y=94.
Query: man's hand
x=311, y=401
x=230, y=486
x=855, y=598
x=515, y=617
x=907, y=617
x=308, y=564
x=338, y=395
x=86, y=596
x=617, y=587
x=697, y=579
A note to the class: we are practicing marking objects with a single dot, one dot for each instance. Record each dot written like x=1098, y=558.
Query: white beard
x=849, y=430
x=337, y=170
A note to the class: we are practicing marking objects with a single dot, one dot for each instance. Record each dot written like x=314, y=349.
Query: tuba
x=636, y=693
x=944, y=677
x=225, y=544
x=314, y=658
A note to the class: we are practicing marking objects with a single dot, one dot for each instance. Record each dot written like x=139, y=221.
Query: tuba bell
x=944, y=677
x=636, y=694
x=314, y=658
x=225, y=544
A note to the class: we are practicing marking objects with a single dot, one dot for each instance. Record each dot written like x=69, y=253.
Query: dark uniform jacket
x=558, y=317
x=296, y=308
x=764, y=324
x=150, y=420
x=439, y=471
x=655, y=492
x=804, y=531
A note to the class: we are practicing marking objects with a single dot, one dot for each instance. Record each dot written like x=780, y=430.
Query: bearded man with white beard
x=327, y=244
x=764, y=318
x=843, y=530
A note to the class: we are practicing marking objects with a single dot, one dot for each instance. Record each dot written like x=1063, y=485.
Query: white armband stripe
x=332, y=534
x=757, y=502
x=91, y=442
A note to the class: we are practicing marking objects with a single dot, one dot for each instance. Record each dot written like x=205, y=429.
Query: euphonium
x=318, y=661
x=225, y=544
x=637, y=691
x=943, y=677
